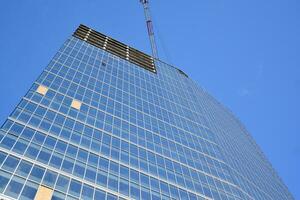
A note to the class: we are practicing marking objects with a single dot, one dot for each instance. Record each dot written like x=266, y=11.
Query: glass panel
x=20, y=146
x=111, y=197
x=99, y=194
x=24, y=168
x=61, y=147
x=50, y=178
x=90, y=174
x=4, y=177
x=56, y=160
x=29, y=191
x=62, y=183
x=79, y=170
x=37, y=173
x=44, y=156
x=67, y=165
x=27, y=133
x=10, y=163
x=102, y=178
x=58, y=196
x=14, y=187
x=2, y=157
x=134, y=191
x=124, y=187
x=8, y=141
x=113, y=182
x=16, y=129
x=87, y=192
x=32, y=151
x=75, y=188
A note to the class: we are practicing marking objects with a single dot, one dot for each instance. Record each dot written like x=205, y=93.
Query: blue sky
x=245, y=53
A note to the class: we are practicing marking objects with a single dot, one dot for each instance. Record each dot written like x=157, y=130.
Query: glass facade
x=96, y=126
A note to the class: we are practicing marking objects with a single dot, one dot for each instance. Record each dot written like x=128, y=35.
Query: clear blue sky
x=245, y=53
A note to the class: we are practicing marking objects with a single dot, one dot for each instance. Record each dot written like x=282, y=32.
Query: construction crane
x=150, y=28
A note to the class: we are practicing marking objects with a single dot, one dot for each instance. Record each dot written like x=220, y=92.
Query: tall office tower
x=104, y=121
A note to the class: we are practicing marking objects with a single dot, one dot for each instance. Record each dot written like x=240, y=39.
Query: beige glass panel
x=76, y=104
x=42, y=90
x=43, y=193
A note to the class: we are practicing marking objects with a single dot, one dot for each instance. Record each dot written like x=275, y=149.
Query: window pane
x=4, y=177
x=44, y=156
x=50, y=142
x=79, y=170
x=20, y=146
x=24, y=168
x=134, y=191
x=62, y=183
x=50, y=178
x=27, y=133
x=10, y=163
x=32, y=151
x=99, y=194
x=14, y=187
x=124, y=187
x=75, y=188
x=111, y=197
x=8, y=141
x=61, y=147
x=16, y=129
x=2, y=157
x=56, y=160
x=29, y=191
x=87, y=192
x=37, y=173
x=58, y=196
x=90, y=174
x=102, y=178
x=67, y=165
x=82, y=155
x=113, y=182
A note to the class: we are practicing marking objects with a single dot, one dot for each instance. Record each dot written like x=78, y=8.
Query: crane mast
x=150, y=28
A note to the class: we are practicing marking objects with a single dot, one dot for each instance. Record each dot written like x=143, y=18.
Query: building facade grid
x=134, y=134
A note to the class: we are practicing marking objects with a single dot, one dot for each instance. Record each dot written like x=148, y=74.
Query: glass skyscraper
x=106, y=121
